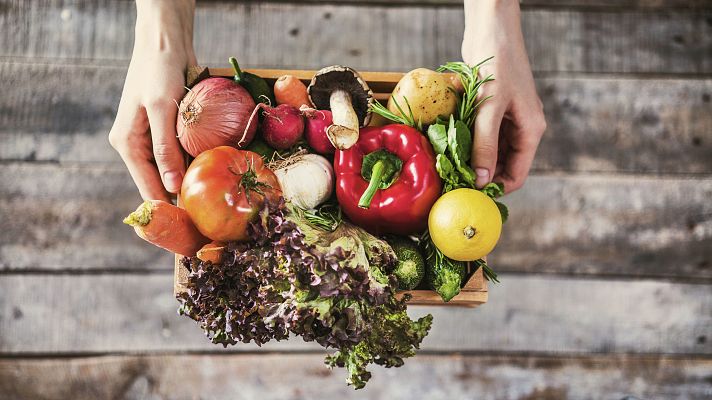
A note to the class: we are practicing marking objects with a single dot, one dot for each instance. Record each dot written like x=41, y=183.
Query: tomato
x=223, y=190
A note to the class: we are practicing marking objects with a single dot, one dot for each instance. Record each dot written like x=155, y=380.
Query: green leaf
x=467, y=174
x=460, y=141
x=503, y=211
x=493, y=190
x=444, y=167
x=438, y=138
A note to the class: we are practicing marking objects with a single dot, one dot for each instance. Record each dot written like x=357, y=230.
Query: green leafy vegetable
x=327, y=216
x=459, y=141
x=334, y=288
x=438, y=137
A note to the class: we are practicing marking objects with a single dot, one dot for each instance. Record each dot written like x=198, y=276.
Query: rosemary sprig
x=404, y=118
x=488, y=272
x=471, y=82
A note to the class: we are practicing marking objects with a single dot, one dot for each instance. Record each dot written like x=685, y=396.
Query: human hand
x=144, y=132
x=510, y=124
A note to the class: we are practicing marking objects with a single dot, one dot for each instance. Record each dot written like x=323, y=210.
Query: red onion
x=282, y=126
x=215, y=112
x=315, y=132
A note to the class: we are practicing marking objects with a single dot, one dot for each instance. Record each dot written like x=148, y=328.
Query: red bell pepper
x=387, y=182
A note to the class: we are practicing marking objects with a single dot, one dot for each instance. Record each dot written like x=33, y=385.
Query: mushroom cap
x=336, y=77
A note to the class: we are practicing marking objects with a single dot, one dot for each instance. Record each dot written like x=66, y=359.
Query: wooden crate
x=473, y=294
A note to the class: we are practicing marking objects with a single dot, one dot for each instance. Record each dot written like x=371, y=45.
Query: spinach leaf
x=503, y=211
x=438, y=138
x=493, y=190
x=459, y=141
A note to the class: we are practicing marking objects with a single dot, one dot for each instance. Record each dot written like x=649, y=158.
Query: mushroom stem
x=343, y=133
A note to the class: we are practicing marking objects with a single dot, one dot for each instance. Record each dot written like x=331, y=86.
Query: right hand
x=144, y=132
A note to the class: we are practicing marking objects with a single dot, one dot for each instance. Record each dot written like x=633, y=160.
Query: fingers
x=484, y=149
x=166, y=148
x=523, y=141
x=129, y=137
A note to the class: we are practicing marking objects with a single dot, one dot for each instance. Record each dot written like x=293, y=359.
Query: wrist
x=483, y=11
x=165, y=26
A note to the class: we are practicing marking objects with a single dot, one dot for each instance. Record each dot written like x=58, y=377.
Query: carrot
x=212, y=252
x=290, y=90
x=166, y=226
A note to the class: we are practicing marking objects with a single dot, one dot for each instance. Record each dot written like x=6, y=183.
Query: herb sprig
x=404, y=118
x=471, y=82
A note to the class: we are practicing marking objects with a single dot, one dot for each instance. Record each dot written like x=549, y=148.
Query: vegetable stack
x=297, y=219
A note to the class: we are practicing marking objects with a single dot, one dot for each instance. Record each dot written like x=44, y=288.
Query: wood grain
x=69, y=218
x=67, y=314
x=371, y=38
x=303, y=376
x=604, y=124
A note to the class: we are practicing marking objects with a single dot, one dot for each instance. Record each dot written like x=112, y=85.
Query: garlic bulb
x=307, y=180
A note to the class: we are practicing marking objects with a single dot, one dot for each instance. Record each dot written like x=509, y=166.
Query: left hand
x=509, y=125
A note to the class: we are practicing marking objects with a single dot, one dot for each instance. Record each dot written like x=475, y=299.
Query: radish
x=282, y=127
x=317, y=123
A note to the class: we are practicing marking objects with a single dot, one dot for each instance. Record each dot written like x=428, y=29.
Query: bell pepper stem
x=236, y=67
x=373, y=185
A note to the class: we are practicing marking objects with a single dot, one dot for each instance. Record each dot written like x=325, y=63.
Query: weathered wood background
x=606, y=263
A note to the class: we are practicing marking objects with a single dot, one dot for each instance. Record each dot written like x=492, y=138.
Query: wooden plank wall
x=606, y=263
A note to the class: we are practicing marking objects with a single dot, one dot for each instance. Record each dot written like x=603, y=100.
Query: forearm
x=495, y=21
x=165, y=26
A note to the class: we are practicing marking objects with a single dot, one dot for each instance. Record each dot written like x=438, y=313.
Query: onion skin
x=315, y=131
x=282, y=127
x=215, y=112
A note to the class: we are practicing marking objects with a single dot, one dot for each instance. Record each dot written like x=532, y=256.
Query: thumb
x=166, y=149
x=484, y=150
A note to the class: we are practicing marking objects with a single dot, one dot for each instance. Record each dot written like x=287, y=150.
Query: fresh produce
x=452, y=143
x=260, y=147
x=387, y=182
x=307, y=180
x=291, y=277
x=343, y=91
x=282, y=126
x=453, y=146
x=465, y=224
x=410, y=267
x=471, y=82
x=224, y=189
x=215, y=112
x=256, y=86
x=212, y=252
x=428, y=94
x=166, y=226
x=444, y=275
x=290, y=90
x=317, y=122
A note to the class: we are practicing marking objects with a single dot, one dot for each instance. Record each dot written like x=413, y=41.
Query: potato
x=428, y=92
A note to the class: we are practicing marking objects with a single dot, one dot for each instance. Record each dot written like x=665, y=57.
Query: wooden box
x=472, y=294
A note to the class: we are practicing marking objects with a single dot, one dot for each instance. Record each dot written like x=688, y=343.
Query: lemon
x=465, y=224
